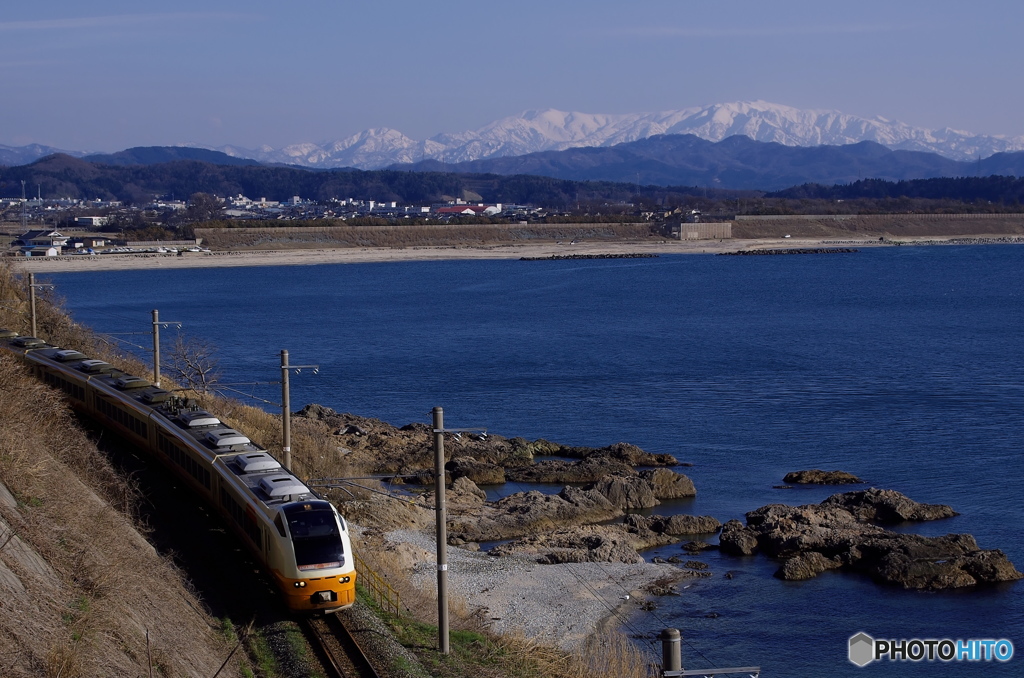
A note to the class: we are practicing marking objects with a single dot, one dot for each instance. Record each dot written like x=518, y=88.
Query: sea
x=902, y=365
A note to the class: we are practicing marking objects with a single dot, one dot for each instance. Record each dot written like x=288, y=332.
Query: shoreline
x=546, y=603
x=364, y=255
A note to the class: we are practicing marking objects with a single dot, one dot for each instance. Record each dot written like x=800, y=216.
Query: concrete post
x=32, y=292
x=442, y=533
x=156, y=348
x=671, y=653
x=286, y=412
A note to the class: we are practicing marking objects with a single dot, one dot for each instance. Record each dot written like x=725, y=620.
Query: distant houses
x=41, y=243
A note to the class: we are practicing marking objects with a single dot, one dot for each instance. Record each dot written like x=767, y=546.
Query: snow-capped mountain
x=548, y=130
x=553, y=130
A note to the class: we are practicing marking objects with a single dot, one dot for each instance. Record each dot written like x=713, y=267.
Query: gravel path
x=557, y=604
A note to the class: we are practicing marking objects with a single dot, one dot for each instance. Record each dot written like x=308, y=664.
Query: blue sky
x=108, y=74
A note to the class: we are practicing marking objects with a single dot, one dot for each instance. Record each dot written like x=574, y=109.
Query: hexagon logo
x=862, y=649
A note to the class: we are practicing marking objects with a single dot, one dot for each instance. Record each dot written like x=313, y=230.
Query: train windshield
x=315, y=535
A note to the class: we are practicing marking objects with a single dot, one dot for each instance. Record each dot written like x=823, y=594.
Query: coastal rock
x=806, y=566
x=465, y=493
x=480, y=472
x=527, y=450
x=667, y=484
x=587, y=470
x=836, y=533
x=527, y=513
x=783, y=530
x=737, y=540
x=887, y=506
x=679, y=524
x=916, y=562
x=586, y=544
x=698, y=546
x=817, y=477
x=626, y=492
x=624, y=452
x=314, y=411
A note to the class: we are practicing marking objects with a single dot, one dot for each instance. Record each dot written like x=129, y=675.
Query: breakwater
x=795, y=250
x=565, y=257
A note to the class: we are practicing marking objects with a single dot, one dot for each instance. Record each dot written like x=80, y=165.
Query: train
x=300, y=539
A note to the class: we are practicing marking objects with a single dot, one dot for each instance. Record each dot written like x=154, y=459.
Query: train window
x=315, y=535
x=279, y=523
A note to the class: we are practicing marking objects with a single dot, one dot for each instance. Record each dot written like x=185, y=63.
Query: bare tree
x=193, y=363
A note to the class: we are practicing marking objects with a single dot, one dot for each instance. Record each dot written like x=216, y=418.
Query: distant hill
x=737, y=162
x=155, y=155
x=11, y=156
x=65, y=176
x=62, y=175
x=1003, y=190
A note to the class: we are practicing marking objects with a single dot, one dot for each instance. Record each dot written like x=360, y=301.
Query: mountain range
x=553, y=130
x=736, y=162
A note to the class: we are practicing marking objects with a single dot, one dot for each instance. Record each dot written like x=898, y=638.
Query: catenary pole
x=442, y=533
x=156, y=348
x=286, y=412
x=32, y=298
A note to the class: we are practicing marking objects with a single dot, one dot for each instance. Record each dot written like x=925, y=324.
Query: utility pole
x=442, y=527
x=31, y=290
x=286, y=412
x=156, y=344
x=286, y=406
x=24, y=213
x=442, y=533
x=32, y=285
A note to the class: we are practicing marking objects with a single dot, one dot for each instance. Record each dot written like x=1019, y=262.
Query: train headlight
x=300, y=584
x=345, y=580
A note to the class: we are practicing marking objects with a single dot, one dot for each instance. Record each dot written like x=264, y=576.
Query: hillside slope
x=80, y=587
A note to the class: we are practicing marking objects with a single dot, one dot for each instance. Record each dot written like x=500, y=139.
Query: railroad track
x=338, y=649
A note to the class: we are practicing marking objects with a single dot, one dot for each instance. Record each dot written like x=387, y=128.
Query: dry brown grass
x=79, y=586
x=88, y=585
x=605, y=654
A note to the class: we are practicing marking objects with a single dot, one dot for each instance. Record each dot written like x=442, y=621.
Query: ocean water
x=901, y=365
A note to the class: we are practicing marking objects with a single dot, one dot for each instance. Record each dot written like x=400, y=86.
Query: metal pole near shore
x=671, y=651
x=157, y=323
x=286, y=412
x=286, y=406
x=31, y=288
x=442, y=533
x=156, y=348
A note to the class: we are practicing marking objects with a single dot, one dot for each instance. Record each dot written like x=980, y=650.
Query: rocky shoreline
x=844, y=532
x=570, y=257
x=795, y=250
x=591, y=522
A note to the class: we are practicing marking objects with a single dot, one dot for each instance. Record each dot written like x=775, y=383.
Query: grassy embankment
x=104, y=586
x=889, y=226
x=80, y=588
x=468, y=235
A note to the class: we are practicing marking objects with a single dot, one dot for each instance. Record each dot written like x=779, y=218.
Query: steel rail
x=342, y=654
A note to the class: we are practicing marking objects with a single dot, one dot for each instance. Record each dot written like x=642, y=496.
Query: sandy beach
x=353, y=255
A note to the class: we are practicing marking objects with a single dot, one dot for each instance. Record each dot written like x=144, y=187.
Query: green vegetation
x=261, y=654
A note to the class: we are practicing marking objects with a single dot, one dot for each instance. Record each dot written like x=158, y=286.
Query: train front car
x=321, y=576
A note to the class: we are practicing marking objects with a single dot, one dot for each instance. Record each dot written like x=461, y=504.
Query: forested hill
x=994, y=189
x=65, y=176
